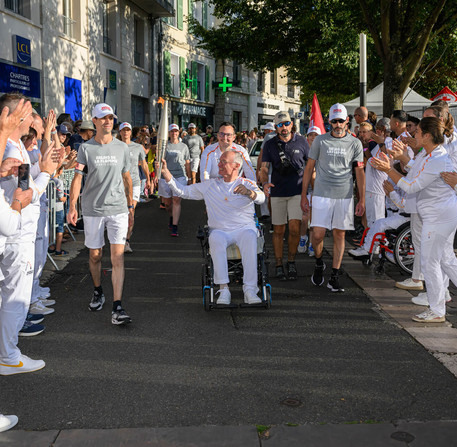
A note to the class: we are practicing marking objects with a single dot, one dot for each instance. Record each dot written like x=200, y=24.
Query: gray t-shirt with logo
x=334, y=158
x=104, y=193
x=176, y=157
x=194, y=142
x=137, y=154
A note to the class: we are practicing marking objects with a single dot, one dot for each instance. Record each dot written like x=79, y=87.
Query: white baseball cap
x=314, y=129
x=191, y=126
x=173, y=127
x=102, y=110
x=125, y=125
x=269, y=126
x=337, y=111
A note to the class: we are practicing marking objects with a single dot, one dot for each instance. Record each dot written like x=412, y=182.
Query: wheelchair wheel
x=404, y=250
x=266, y=295
x=206, y=288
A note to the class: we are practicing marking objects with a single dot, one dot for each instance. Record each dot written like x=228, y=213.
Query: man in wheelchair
x=230, y=206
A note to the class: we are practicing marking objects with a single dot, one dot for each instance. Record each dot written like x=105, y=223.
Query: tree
x=317, y=41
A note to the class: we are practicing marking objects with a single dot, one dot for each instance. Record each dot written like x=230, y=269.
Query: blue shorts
x=59, y=221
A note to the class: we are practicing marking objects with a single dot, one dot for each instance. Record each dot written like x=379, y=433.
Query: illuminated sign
x=22, y=52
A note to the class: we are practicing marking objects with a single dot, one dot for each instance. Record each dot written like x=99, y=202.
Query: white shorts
x=375, y=207
x=165, y=190
x=284, y=209
x=333, y=213
x=194, y=164
x=136, y=193
x=94, y=230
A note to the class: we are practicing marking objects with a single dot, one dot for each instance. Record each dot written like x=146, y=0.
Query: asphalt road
x=333, y=355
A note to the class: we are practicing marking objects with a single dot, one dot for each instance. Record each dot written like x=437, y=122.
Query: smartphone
x=23, y=176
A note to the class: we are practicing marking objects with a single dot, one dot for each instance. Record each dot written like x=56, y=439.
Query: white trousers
x=246, y=240
x=381, y=225
x=375, y=207
x=41, y=251
x=16, y=265
x=438, y=261
x=416, y=230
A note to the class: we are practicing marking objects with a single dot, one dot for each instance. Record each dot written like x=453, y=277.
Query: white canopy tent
x=411, y=101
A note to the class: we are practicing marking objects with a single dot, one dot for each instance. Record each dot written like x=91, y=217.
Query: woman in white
x=437, y=207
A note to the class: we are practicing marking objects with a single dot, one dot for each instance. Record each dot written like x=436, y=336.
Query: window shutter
x=195, y=77
x=182, y=76
x=167, y=73
x=207, y=83
x=179, y=13
x=205, y=14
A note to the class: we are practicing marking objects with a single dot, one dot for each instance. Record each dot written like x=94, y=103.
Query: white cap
x=102, y=110
x=125, y=125
x=337, y=111
x=191, y=126
x=173, y=127
x=269, y=126
x=314, y=129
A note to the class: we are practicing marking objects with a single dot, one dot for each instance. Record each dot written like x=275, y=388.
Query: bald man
x=361, y=114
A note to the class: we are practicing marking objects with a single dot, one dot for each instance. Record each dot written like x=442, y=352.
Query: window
x=139, y=110
x=236, y=73
x=109, y=27
x=71, y=18
x=172, y=78
x=290, y=90
x=199, y=10
x=236, y=120
x=260, y=81
x=21, y=7
x=138, y=31
x=273, y=81
x=178, y=18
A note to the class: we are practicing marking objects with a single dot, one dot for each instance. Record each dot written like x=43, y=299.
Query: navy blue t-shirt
x=296, y=150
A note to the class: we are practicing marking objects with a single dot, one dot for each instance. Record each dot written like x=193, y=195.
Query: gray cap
x=87, y=125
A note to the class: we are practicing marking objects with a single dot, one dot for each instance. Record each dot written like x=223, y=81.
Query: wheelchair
x=235, y=271
x=395, y=246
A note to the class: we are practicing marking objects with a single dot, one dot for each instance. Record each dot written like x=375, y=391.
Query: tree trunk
x=393, y=90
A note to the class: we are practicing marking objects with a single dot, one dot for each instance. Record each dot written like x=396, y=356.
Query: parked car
x=254, y=153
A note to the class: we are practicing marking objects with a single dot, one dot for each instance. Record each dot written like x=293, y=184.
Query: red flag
x=315, y=118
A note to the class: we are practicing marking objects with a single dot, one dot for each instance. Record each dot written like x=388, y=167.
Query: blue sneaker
x=310, y=251
x=35, y=318
x=302, y=245
x=29, y=329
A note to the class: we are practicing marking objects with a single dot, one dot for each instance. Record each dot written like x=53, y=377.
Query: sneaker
x=334, y=284
x=409, y=284
x=280, y=273
x=291, y=271
x=7, y=422
x=174, y=231
x=46, y=302
x=127, y=248
x=358, y=252
x=251, y=298
x=224, y=296
x=120, y=316
x=97, y=301
x=30, y=329
x=318, y=275
x=302, y=245
x=25, y=365
x=428, y=317
x=44, y=295
x=35, y=318
x=310, y=251
x=422, y=298
x=38, y=308
x=60, y=253
x=44, y=289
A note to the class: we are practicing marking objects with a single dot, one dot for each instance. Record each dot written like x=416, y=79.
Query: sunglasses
x=338, y=121
x=286, y=123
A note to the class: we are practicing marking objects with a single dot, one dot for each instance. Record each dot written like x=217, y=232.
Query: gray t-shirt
x=334, y=158
x=194, y=143
x=104, y=193
x=176, y=157
x=137, y=154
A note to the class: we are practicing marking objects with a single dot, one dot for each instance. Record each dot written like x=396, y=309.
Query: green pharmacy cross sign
x=190, y=80
x=225, y=84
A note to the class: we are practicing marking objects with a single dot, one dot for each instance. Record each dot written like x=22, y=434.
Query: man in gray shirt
x=334, y=155
x=178, y=162
x=106, y=203
x=196, y=146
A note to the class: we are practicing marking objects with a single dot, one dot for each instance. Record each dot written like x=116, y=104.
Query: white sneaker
x=38, y=308
x=409, y=284
x=44, y=295
x=44, y=290
x=25, y=365
x=422, y=298
x=224, y=296
x=251, y=298
x=428, y=317
x=7, y=422
x=127, y=248
x=46, y=301
x=302, y=248
x=358, y=252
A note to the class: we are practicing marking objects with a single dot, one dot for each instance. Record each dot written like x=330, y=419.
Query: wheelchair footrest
x=262, y=304
x=224, y=306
